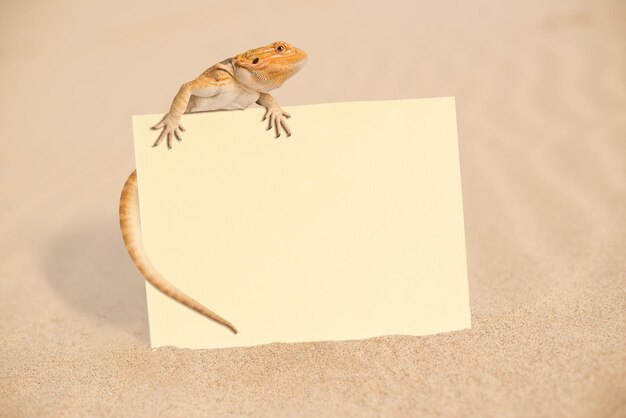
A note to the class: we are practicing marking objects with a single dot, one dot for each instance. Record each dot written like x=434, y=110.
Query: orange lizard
x=234, y=83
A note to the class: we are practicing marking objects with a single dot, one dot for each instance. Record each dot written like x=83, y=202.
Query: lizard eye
x=280, y=48
x=256, y=60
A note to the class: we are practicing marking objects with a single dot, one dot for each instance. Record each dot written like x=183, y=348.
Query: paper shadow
x=91, y=270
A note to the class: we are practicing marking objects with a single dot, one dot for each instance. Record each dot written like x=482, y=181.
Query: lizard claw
x=170, y=130
x=277, y=119
x=158, y=125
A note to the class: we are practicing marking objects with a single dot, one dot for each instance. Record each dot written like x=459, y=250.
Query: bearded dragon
x=234, y=83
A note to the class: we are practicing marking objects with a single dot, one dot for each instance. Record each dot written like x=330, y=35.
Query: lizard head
x=266, y=68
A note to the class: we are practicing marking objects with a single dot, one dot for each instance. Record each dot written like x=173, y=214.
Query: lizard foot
x=170, y=130
x=278, y=119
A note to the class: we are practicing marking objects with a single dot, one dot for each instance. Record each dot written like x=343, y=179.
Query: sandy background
x=541, y=96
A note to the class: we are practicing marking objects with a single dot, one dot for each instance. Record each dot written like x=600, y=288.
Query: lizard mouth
x=303, y=56
x=299, y=59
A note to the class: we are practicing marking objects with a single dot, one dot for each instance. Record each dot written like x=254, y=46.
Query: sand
x=541, y=99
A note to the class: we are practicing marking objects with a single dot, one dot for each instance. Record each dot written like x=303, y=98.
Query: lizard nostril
x=255, y=60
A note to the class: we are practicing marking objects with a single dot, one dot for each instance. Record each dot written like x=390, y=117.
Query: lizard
x=234, y=83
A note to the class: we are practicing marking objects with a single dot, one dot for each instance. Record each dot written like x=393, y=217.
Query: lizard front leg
x=204, y=86
x=275, y=115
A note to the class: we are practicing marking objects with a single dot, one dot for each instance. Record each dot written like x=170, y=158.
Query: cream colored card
x=351, y=228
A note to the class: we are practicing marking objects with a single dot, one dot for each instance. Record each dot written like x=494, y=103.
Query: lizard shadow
x=91, y=271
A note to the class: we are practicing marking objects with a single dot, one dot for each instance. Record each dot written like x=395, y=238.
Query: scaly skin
x=234, y=83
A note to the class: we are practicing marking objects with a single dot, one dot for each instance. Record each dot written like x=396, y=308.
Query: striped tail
x=131, y=232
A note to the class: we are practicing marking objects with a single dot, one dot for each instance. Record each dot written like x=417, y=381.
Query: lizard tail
x=131, y=232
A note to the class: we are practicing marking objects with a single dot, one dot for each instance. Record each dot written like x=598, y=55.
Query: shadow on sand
x=90, y=268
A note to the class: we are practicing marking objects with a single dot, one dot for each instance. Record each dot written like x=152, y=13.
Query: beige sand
x=541, y=95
